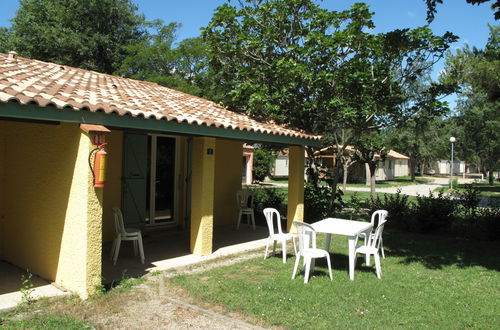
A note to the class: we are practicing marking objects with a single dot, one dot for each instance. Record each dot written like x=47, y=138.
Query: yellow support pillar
x=296, y=156
x=80, y=256
x=202, y=195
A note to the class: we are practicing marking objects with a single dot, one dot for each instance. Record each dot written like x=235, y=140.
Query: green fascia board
x=34, y=112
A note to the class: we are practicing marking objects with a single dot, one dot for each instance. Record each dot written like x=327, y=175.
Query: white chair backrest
x=306, y=234
x=378, y=218
x=119, y=227
x=272, y=214
x=244, y=198
x=377, y=236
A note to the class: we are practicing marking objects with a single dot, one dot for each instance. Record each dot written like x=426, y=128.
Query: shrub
x=469, y=198
x=320, y=203
x=433, y=213
x=483, y=224
x=398, y=206
x=269, y=197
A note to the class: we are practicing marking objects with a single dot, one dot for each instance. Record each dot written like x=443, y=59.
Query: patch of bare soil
x=154, y=303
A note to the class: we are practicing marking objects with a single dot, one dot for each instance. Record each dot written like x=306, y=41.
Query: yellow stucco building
x=172, y=160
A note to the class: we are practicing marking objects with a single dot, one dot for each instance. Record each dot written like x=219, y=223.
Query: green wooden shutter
x=134, y=179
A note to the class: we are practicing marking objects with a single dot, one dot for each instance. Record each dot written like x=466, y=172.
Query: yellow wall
x=228, y=176
x=113, y=185
x=53, y=220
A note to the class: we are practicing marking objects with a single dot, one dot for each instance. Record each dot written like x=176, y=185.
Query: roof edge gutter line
x=30, y=111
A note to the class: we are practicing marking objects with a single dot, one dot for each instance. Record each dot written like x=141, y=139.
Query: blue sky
x=467, y=21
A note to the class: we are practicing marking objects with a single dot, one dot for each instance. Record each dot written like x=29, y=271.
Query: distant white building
x=443, y=167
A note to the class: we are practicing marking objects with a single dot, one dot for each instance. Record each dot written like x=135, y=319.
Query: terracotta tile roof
x=31, y=81
x=396, y=155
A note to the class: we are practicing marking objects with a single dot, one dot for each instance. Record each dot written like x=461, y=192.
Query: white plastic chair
x=244, y=200
x=308, y=250
x=276, y=234
x=382, y=217
x=125, y=234
x=372, y=246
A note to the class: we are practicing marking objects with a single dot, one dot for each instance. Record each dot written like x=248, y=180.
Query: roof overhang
x=50, y=113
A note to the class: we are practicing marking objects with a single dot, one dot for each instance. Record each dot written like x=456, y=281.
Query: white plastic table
x=349, y=228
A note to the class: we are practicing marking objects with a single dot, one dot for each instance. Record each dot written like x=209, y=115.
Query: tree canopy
x=87, y=34
x=477, y=73
x=432, y=7
x=298, y=64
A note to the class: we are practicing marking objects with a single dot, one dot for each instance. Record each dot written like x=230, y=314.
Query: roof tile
x=27, y=81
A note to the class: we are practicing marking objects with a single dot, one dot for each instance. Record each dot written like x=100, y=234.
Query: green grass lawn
x=427, y=282
x=398, y=182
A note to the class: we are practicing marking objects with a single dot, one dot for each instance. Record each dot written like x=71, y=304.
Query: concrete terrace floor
x=164, y=250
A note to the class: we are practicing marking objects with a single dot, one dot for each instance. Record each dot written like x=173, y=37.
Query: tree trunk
x=368, y=174
x=491, y=178
x=346, y=168
x=422, y=168
x=412, y=168
x=373, y=167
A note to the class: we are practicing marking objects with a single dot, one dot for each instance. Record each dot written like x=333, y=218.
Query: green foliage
x=269, y=197
x=89, y=34
x=433, y=213
x=156, y=59
x=432, y=7
x=263, y=162
x=476, y=223
x=477, y=124
x=26, y=288
x=398, y=206
x=320, y=203
x=322, y=71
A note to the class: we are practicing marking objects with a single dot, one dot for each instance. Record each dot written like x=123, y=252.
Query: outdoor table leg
x=352, y=248
x=327, y=242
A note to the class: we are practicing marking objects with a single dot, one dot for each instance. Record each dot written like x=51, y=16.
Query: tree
x=432, y=4
x=417, y=133
x=477, y=73
x=89, y=34
x=263, y=161
x=370, y=150
x=159, y=59
x=323, y=71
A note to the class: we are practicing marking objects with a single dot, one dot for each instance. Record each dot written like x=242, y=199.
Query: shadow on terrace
x=170, y=250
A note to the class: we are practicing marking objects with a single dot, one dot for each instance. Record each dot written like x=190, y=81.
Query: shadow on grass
x=436, y=252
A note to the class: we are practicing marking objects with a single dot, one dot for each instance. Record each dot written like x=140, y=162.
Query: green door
x=135, y=176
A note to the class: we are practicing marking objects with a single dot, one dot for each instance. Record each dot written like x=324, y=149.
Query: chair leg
x=307, y=270
x=141, y=248
x=283, y=248
x=112, y=252
x=382, y=247
x=253, y=220
x=377, y=265
x=329, y=266
x=239, y=220
x=297, y=261
x=267, y=247
x=294, y=245
x=135, y=248
x=117, y=249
